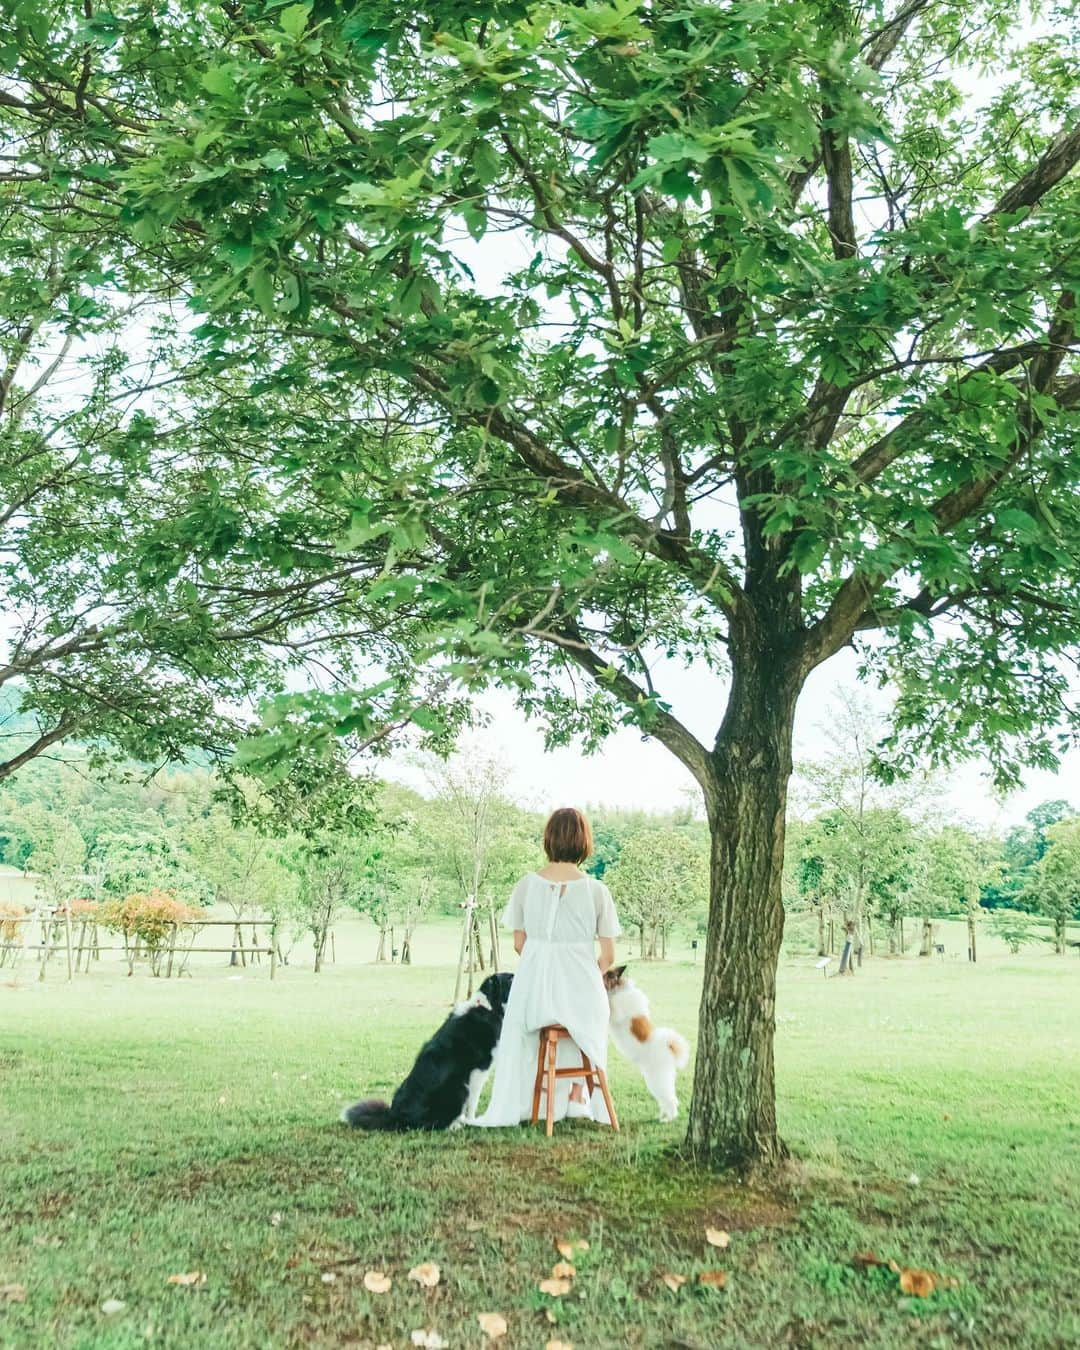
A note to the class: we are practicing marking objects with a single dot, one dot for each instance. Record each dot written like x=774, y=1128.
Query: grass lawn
x=151, y=1128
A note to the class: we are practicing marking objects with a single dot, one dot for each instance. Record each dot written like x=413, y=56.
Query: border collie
x=657, y=1051
x=444, y=1085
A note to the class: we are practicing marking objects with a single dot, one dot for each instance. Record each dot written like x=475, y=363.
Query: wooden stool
x=546, y=1074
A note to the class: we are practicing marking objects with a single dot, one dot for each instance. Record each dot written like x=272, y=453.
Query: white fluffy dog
x=658, y=1052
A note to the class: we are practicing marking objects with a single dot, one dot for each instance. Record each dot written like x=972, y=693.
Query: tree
x=1014, y=929
x=782, y=354
x=479, y=835
x=954, y=880
x=660, y=877
x=1023, y=847
x=1054, y=887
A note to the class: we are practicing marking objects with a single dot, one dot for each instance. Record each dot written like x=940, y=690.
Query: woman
x=558, y=914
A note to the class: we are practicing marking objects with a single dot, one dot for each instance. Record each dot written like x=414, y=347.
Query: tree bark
x=733, y=1112
x=927, y=938
x=821, y=931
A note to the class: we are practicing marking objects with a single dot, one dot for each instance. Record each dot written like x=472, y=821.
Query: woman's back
x=575, y=910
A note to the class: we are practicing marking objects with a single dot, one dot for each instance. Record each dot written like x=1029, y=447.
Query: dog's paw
x=458, y=1124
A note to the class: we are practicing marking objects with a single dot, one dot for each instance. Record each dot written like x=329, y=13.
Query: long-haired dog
x=658, y=1052
x=444, y=1085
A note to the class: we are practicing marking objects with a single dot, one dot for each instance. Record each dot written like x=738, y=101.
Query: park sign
x=788, y=364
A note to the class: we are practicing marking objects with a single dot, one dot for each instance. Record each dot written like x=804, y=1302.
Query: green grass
x=149, y=1128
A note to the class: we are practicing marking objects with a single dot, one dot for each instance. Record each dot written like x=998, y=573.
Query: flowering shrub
x=85, y=909
x=10, y=915
x=147, y=917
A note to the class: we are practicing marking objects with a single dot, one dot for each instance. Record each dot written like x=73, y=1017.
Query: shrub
x=147, y=918
x=10, y=914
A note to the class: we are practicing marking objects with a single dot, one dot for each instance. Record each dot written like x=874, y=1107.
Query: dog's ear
x=613, y=976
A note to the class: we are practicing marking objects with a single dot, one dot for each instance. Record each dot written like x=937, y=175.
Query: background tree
x=661, y=877
x=1023, y=847
x=779, y=352
x=1054, y=885
x=954, y=879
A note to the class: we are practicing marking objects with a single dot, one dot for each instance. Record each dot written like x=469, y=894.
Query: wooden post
x=67, y=935
x=466, y=940
x=172, y=950
x=273, y=949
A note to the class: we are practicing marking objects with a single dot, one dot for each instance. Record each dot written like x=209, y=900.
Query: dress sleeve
x=513, y=916
x=607, y=921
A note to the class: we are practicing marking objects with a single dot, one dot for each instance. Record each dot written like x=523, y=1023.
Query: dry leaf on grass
x=428, y=1274
x=674, y=1282
x=192, y=1277
x=558, y=1345
x=377, y=1282
x=113, y=1305
x=921, y=1283
x=864, y=1259
x=556, y=1288
x=493, y=1325
x=568, y=1246
x=428, y=1340
x=712, y=1279
x=13, y=1293
x=716, y=1237
x=562, y=1270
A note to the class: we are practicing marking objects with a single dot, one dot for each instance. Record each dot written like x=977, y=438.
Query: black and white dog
x=444, y=1085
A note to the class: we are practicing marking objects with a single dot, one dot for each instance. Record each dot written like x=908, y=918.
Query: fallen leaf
x=946, y=1116
x=921, y=1283
x=376, y=1282
x=558, y=1345
x=556, y=1288
x=712, y=1279
x=493, y=1325
x=192, y=1277
x=13, y=1293
x=113, y=1305
x=865, y=1259
x=562, y=1270
x=550, y=1316
x=429, y=1340
x=716, y=1237
x=568, y=1246
x=427, y=1274
x=674, y=1282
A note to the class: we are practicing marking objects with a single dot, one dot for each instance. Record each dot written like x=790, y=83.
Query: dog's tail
x=369, y=1115
x=678, y=1047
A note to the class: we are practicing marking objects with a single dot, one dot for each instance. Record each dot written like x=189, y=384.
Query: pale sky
x=631, y=772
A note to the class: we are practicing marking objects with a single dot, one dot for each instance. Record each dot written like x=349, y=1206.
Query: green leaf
x=262, y=288
x=671, y=249
x=218, y=80
x=294, y=20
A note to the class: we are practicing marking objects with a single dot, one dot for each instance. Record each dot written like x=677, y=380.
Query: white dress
x=557, y=980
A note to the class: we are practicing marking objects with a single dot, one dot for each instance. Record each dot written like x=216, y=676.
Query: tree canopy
x=723, y=334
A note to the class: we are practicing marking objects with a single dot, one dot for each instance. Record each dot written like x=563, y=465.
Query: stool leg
x=590, y=1073
x=552, y=1047
x=541, y=1046
x=607, y=1099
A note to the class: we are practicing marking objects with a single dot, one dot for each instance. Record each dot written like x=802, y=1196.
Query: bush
x=1013, y=928
x=146, y=918
x=10, y=914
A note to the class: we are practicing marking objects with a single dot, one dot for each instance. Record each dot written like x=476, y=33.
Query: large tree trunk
x=733, y=1112
x=927, y=942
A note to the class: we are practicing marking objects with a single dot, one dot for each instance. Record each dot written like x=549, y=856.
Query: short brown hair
x=568, y=835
